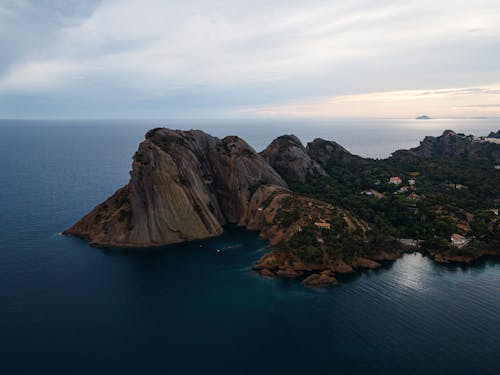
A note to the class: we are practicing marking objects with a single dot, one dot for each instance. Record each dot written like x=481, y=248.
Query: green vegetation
x=450, y=195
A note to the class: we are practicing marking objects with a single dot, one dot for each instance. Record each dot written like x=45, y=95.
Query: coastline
x=276, y=264
x=309, y=202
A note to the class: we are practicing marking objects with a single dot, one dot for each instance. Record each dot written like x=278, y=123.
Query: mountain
x=423, y=117
x=290, y=159
x=328, y=152
x=451, y=144
x=494, y=135
x=296, y=163
x=184, y=186
x=324, y=210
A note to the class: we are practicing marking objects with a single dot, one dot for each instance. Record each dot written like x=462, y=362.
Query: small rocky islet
x=323, y=210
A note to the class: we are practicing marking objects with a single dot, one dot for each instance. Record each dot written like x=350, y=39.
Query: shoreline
x=328, y=276
x=317, y=275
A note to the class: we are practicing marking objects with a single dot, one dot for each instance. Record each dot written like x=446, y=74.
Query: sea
x=198, y=308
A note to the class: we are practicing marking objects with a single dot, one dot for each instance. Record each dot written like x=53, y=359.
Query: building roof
x=455, y=237
x=322, y=225
x=395, y=180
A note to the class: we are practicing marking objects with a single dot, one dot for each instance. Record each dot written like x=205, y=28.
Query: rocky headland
x=494, y=134
x=184, y=186
x=187, y=185
x=451, y=144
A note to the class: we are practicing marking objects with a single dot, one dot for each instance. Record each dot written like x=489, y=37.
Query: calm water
x=69, y=308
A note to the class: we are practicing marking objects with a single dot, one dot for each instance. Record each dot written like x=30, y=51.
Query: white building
x=323, y=225
x=458, y=240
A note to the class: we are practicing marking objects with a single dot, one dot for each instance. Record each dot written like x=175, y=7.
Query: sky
x=259, y=58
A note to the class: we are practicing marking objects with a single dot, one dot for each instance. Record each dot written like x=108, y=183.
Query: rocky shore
x=447, y=258
x=280, y=264
x=187, y=185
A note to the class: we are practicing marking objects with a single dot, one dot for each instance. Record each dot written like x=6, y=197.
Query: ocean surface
x=67, y=308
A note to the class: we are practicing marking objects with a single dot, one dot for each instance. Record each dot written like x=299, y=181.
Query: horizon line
x=264, y=118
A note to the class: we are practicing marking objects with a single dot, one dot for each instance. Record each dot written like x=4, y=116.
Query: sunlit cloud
x=231, y=55
x=455, y=102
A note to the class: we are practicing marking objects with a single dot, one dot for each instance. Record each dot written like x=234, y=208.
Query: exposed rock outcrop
x=288, y=156
x=184, y=185
x=494, y=135
x=451, y=144
x=362, y=262
x=325, y=278
x=449, y=257
x=267, y=273
x=326, y=152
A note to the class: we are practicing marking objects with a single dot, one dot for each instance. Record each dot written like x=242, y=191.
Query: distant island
x=423, y=117
x=323, y=210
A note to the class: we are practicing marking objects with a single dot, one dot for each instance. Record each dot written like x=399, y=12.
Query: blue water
x=72, y=309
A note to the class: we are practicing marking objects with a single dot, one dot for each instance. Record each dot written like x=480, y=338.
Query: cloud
x=28, y=28
x=479, y=106
x=261, y=53
x=453, y=102
x=40, y=77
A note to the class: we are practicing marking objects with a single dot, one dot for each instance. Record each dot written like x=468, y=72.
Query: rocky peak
x=446, y=144
x=448, y=133
x=184, y=185
x=324, y=152
x=233, y=145
x=288, y=156
x=494, y=135
x=451, y=144
x=238, y=169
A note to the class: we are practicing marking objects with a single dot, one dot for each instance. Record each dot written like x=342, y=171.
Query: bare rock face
x=494, y=135
x=445, y=144
x=324, y=278
x=289, y=158
x=184, y=185
x=365, y=263
x=326, y=152
x=262, y=209
x=451, y=144
x=267, y=273
x=237, y=169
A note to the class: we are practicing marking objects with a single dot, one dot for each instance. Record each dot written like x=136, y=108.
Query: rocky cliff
x=308, y=235
x=184, y=185
x=494, y=135
x=451, y=144
x=290, y=159
x=328, y=152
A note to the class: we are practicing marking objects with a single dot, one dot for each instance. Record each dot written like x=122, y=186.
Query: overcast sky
x=218, y=58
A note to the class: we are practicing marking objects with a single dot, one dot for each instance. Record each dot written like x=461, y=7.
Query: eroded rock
x=184, y=186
